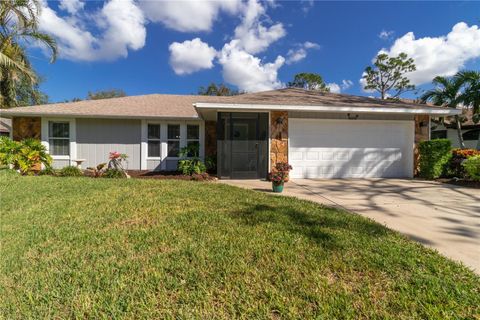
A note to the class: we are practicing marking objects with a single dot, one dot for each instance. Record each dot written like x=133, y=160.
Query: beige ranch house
x=322, y=135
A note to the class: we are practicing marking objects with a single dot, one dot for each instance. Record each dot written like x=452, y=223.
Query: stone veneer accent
x=421, y=134
x=278, y=137
x=26, y=127
x=210, y=138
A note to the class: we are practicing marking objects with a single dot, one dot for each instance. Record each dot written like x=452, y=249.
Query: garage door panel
x=350, y=149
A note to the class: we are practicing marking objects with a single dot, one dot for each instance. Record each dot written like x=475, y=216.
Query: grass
x=124, y=249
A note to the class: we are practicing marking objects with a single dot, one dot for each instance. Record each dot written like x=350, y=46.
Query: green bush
x=191, y=163
x=472, y=167
x=114, y=173
x=71, y=171
x=49, y=171
x=27, y=156
x=434, y=157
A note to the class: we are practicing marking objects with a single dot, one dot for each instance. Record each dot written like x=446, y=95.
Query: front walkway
x=444, y=217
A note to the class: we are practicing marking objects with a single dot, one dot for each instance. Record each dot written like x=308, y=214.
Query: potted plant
x=279, y=176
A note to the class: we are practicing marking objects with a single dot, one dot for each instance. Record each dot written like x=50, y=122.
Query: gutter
x=339, y=109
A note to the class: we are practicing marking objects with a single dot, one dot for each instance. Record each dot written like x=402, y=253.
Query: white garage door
x=351, y=148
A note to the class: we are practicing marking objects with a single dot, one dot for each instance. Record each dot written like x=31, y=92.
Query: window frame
x=187, y=140
x=155, y=139
x=179, y=139
x=73, y=137
x=50, y=137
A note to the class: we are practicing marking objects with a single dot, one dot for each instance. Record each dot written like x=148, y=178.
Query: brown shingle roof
x=181, y=106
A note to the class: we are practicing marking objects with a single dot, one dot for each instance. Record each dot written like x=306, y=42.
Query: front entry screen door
x=242, y=140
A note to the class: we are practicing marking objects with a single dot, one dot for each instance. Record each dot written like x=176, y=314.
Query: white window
x=154, y=141
x=193, y=136
x=59, y=138
x=173, y=140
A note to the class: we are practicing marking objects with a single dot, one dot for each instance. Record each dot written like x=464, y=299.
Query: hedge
x=434, y=157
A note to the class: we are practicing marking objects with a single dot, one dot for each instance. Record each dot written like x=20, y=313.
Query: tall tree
x=447, y=93
x=19, y=25
x=106, y=94
x=471, y=93
x=387, y=75
x=217, y=90
x=309, y=81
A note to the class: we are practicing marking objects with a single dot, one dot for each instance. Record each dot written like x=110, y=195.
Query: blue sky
x=128, y=44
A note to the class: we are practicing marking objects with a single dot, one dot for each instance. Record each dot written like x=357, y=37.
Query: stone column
x=26, y=127
x=278, y=137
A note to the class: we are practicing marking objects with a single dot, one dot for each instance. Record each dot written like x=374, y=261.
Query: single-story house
x=322, y=135
x=447, y=129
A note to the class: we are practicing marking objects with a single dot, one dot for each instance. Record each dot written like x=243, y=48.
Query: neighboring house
x=322, y=135
x=5, y=127
x=448, y=130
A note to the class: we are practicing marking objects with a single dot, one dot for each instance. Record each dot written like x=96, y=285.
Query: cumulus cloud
x=121, y=26
x=386, y=35
x=338, y=88
x=190, y=56
x=300, y=53
x=254, y=37
x=248, y=72
x=188, y=15
x=439, y=56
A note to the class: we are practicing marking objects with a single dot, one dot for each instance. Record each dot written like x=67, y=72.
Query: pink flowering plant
x=281, y=173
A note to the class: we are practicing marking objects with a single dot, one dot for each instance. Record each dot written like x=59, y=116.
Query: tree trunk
x=459, y=132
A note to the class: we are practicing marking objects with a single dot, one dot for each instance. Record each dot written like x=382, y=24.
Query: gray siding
x=60, y=163
x=361, y=116
x=96, y=138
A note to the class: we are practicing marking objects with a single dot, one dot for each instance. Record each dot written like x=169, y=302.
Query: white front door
x=321, y=148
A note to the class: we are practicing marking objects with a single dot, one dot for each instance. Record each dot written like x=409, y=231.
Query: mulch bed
x=460, y=182
x=171, y=175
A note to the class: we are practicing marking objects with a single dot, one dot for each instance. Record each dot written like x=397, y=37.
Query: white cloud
x=346, y=84
x=253, y=35
x=71, y=6
x=439, y=56
x=190, y=56
x=188, y=15
x=246, y=71
x=338, y=88
x=121, y=26
x=334, y=88
x=385, y=35
x=300, y=53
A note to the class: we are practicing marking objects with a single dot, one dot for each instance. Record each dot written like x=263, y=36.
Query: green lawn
x=111, y=249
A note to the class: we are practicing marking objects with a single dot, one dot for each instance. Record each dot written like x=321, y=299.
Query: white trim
x=143, y=145
x=338, y=109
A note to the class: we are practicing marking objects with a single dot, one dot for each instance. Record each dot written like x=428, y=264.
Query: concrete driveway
x=444, y=217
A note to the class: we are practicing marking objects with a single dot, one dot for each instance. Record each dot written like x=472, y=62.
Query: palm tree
x=471, y=93
x=447, y=94
x=19, y=26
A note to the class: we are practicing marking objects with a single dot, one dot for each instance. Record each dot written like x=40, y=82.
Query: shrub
x=472, y=167
x=97, y=171
x=70, y=171
x=27, y=156
x=48, y=172
x=455, y=167
x=434, y=157
x=211, y=163
x=191, y=163
x=114, y=174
